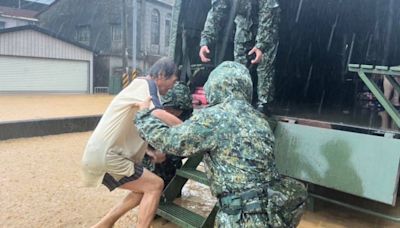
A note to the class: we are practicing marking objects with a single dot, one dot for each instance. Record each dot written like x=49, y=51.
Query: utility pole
x=124, y=38
x=134, y=32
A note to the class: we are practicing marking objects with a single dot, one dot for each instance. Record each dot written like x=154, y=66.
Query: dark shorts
x=112, y=184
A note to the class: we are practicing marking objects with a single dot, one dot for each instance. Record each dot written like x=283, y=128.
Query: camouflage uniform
x=256, y=26
x=179, y=98
x=237, y=144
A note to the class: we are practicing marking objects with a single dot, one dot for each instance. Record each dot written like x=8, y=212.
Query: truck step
x=180, y=216
x=193, y=175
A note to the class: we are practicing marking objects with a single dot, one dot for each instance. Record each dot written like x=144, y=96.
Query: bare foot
x=102, y=225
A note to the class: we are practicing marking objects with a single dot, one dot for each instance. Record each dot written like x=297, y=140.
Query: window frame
x=155, y=27
x=116, y=32
x=83, y=33
x=167, y=30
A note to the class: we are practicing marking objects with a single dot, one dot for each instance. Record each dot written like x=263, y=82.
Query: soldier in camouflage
x=256, y=33
x=177, y=101
x=237, y=144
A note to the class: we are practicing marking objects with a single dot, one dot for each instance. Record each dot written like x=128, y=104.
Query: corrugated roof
x=47, y=32
x=18, y=13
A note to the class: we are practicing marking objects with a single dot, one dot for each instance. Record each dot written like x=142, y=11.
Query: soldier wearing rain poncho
x=237, y=144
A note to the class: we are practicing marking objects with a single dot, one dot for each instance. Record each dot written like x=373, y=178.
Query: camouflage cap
x=178, y=97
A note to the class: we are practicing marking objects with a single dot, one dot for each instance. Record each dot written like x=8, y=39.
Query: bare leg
x=145, y=192
x=387, y=88
x=130, y=201
x=384, y=120
x=151, y=186
x=395, y=98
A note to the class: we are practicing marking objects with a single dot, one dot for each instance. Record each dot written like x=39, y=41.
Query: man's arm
x=189, y=138
x=166, y=117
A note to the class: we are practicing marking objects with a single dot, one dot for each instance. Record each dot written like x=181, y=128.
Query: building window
x=167, y=29
x=2, y=24
x=155, y=27
x=167, y=32
x=116, y=32
x=83, y=33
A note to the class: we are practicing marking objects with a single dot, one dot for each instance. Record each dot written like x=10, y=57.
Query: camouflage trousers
x=245, y=36
x=165, y=170
x=282, y=207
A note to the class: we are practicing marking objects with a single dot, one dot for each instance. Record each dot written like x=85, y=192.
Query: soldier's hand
x=145, y=104
x=204, y=51
x=259, y=55
x=156, y=156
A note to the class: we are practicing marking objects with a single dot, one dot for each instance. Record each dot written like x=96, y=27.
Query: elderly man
x=237, y=144
x=256, y=33
x=114, y=152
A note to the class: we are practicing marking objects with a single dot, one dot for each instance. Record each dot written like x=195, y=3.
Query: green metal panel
x=359, y=164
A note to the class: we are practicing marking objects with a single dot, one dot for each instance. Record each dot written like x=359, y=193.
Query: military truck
x=335, y=129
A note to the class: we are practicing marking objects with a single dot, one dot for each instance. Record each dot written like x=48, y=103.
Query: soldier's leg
x=244, y=42
x=266, y=75
x=240, y=50
x=266, y=69
x=243, y=39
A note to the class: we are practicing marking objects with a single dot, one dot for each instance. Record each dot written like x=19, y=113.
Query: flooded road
x=40, y=187
x=36, y=106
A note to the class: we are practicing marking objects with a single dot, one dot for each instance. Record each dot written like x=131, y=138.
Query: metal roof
x=21, y=14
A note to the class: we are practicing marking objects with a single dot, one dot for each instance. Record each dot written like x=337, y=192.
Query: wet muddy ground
x=40, y=187
x=40, y=181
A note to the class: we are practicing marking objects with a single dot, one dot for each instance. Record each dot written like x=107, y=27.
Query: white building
x=12, y=17
x=35, y=60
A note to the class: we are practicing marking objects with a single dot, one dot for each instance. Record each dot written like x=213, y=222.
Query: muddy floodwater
x=27, y=107
x=40, y=187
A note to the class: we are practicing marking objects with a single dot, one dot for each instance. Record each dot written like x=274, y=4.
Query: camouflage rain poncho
x=237, y=144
